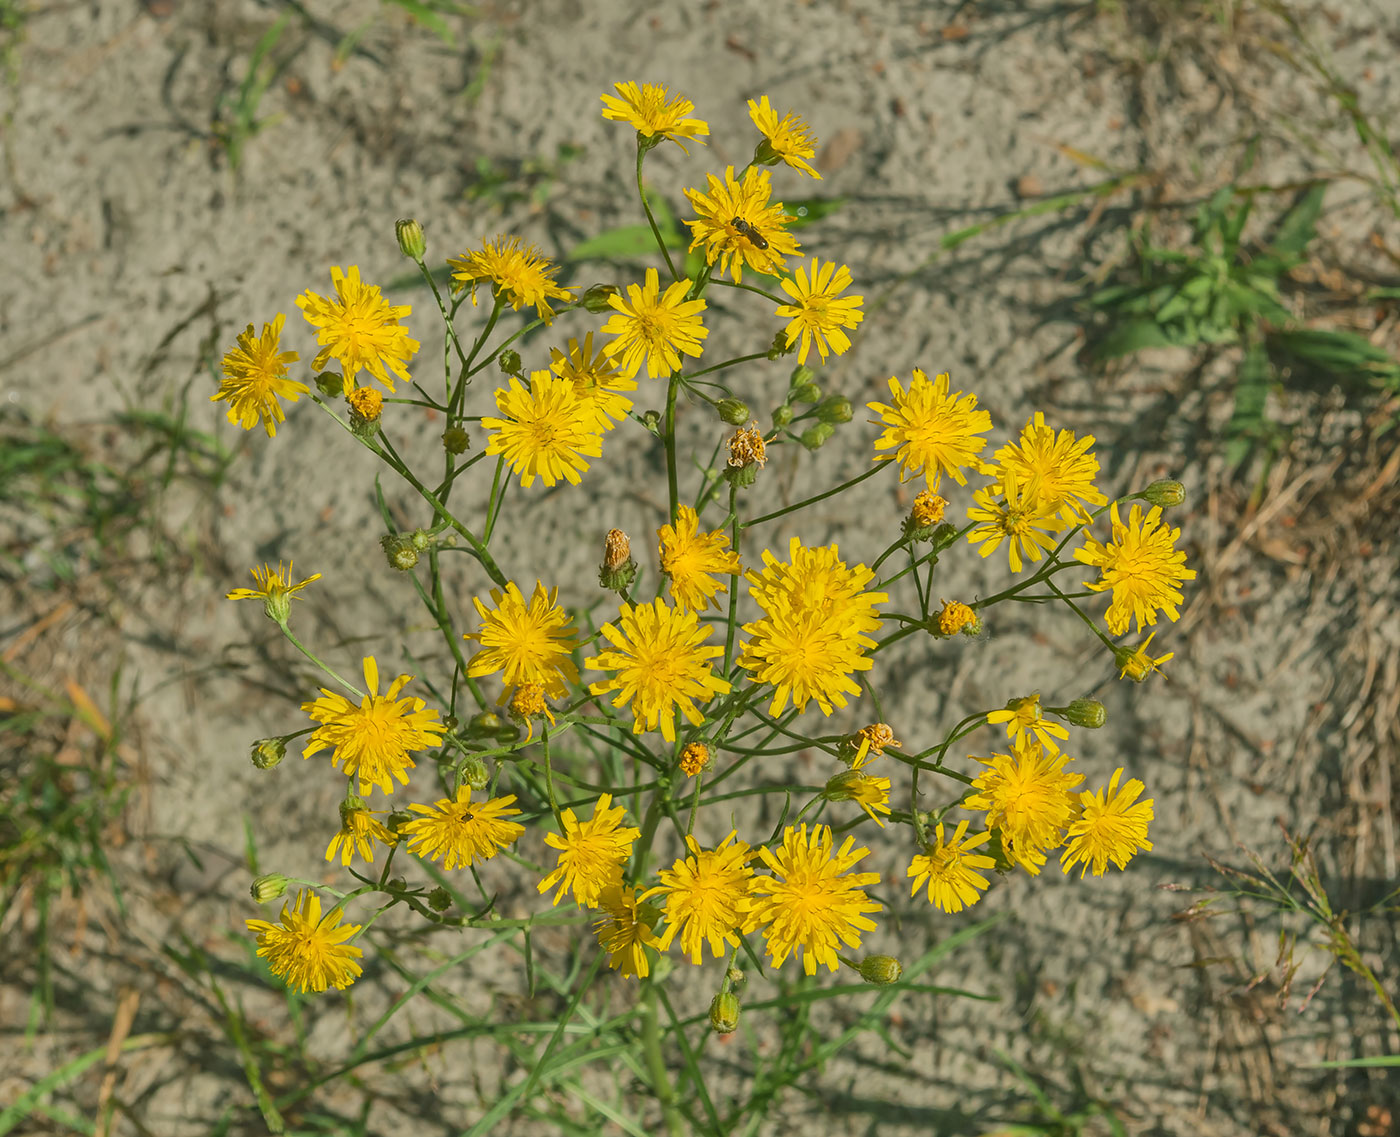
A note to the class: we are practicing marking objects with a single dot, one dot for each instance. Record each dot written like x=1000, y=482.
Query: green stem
x=655, y=229
x=874, y=469
x=656, y=1063
x=296, y=643
x=669, y=438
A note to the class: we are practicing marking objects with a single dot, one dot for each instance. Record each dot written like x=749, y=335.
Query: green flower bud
x=814, y=437
x=267, y=752
x=652, y=421
x=724, y=1013
x=269, y=886
x=397, y=820
x=1086, y=712
x=782, y=415
x=439, y=900
x=835, y=409
x=484, y=723
x=399, y=551
x=1165, y=492
x=455, y=440
x=474, y=772
x=801, y=374
x=596, y=298
x=781, y=347
x=742, y=476
x=765, y=155
x=737, y=980
x=509, y=361
x=732, y=411
x=881, y=969
x=349, y=806
x=412, y=243
x=806, y=393
x=331, y=384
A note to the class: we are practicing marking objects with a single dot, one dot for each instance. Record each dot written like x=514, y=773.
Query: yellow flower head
x=359, y=830
x=738, y=227
x=531, y=642
x=306, y=951
x=596, y=381
x=545, y=432
x=1024, y=724
x=928, y=509
x=625, y=932
x=1136, y=664
x=870, y=793
x=935, y=431
x=1110, y=827
x=255, y=377
x=591, y=853
x=359, y=329
x=522, y=276
x=870, y=742
x=662, y=663
x=1026, y=795
x=274, y=589
x=788, y=139
x=817, y=626
x=460, y=832
x=654, y=328
x=819, y=312
x=1059, y=465
x=654, y=113
x=366, y=403
x=1141, y=566
x=955, y=617
x=707, y=897
x=695, y=756
x=689, y=557
x=950, y=869
x=527, y=704
x=1011, y=511
x=373, y=741
x=812, y=902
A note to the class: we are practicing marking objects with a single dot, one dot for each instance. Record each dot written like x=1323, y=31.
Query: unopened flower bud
x=835, y=409
x=881, y=969
x=782, y=415
x=399, y=551
x=618, y=570
x=269, y=886
x=737, y=980
x=484, y=724
x=733, y=411
x=724, y=1013
x=814, y=437
x=439, y=900
x=397, y=819
x=801, y=374
x=421, y=539
x=331, y=384
x=412, y=243
x=652, y=421
x=509, y=361
x=695, y=757
x=781, y=346
x=1165, y=492
x=806, y=393
x=474, y=772
x=595, y=299
x=455, y=440
x=267, y=752
x=1087, y=713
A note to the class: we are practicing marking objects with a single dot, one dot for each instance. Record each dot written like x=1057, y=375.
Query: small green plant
x=236, y=119
x=1086, y=1115
x=1222, y=292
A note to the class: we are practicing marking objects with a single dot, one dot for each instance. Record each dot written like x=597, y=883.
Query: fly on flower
x=747, y=230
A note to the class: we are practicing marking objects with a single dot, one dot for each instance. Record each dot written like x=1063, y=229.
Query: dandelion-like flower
x=1141, y=566
x=1112, y=826
x=1012, y=512
x=1136, y=664
x=738, y=227
x=530, y=642
x=359, y=329
x=812, y=902
x=545, y=432
x=274, y=589
x=955, y=616
x=373, y=741
x=654, y=328
x=933, y=431
x=695, y=756
x=359, y=829
x=306, y=951
x=662, y=663
x=689, y=557
x=459, y=832
x=255, y=377
x=817, y=625
x=1025, y=723
x=788, y=139
x=1027, y=797
x=522, y=276
x=949, y=867
x=626, y=931
x=596, y=381
x=819, y=312
x=872, y=794
x=591, y=853
x=366, y=404
x=928, y=509
x=707, y=897
x=1059, y=466
x=654, y=113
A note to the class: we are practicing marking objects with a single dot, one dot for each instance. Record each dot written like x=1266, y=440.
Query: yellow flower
x=359, y=830
x=359, y=329
x=654, y=113
x=626, y=931
x=654, y=329
x=255, y=377
x=1025, y=724
x=530, y=642
x=1141, y=566
x=816, y=627
x=812, y=901
x=366, y=403
x=545, y=432
x=738, y=227
x=522, y=276
x=707, y=897
x=935, y=431
x=870, y=742
x=274, y=590
x=461, y=832
x=688, y=557
x=788, y=139
x=528, y=704
x=1109, y=828
x=695, y=756
x=590, y=854
x=662, y=663
x=1059, y=466
x=1028, y=524
x=1026, y=795
x=956, y=616
x=1136, y=664
x=819, y=311
x=950, y=869
x=596, y=381
x=372, y=741
x=307, y=952
x=928, y=509
x=870, y=793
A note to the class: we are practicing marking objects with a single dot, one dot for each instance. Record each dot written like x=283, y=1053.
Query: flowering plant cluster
x=735, y=655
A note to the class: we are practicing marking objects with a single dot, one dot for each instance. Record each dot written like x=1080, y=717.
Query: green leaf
x=1299, y=226
x=1377, y=1060
x=1247, y=423
x=626, y=243
x=1131, y=336
x=1335, y=350
x=430, y=19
